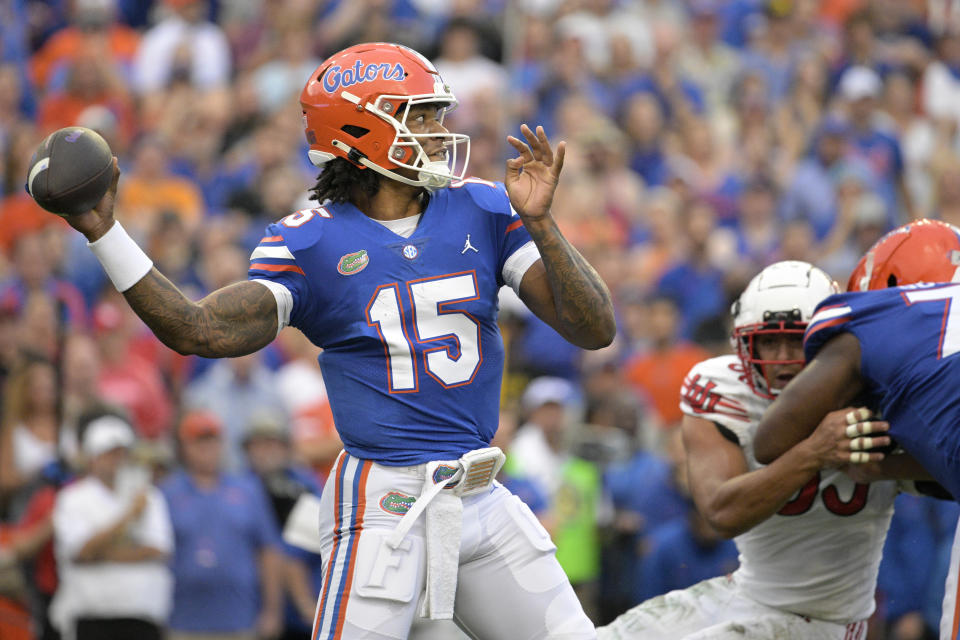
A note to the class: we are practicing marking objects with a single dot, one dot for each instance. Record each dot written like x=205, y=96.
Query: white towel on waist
x=444, y=520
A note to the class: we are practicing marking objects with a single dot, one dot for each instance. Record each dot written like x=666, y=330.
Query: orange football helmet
x=920, y=251
x=355, y=106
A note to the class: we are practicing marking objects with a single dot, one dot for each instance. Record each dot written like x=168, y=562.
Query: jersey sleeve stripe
x=828, y=313
x=513, y=226
x=280, y=252
x=823, y=325
x=271, y=239
x=262, y=266
x=457, y=185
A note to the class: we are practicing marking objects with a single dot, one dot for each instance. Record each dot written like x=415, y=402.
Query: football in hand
x=70, y=171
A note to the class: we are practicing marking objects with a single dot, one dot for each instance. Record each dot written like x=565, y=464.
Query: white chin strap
x=426, y=179
x=432, y=175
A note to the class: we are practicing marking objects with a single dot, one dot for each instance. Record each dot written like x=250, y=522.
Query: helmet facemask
x=779, y=300
x=407, y=149
x=758, y=370
x=431, y=174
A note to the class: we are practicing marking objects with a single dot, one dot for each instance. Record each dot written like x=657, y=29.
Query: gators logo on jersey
x=353, y=262
x=397, y=503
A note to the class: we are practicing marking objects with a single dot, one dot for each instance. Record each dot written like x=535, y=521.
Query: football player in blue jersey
x=890, y=344
x=395, y=273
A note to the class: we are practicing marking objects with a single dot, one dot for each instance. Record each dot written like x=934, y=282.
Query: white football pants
x=509, y=584
x=715, y=610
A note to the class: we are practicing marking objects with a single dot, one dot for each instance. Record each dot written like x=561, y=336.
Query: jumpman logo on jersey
x=467, y=246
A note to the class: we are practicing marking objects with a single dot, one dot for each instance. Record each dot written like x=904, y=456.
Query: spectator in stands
x=705, y=59
x=685, y=549
x=941, y=87
x=315, y=440
x=644, y=494
x=708, y=168
x=93, y=25
x=801, y=112
x=281, y=77
x=151, y=190
x=91, y=81
x=127, y=379
x=470, y=74
x=656, y=373
x=235, y=389
x=643, y=123
x=910, y=564
x=924, y=141
x=267, y=445
x=12, y=94
x=947, y=191
x=682, y=553
x=860, y=89
x=520, y=485
x=657, y=239
x=183, y=46
x=227, y=569
x=541, y=453
x=35, y=256
x=695, y=282
x=758, y=229
x=113, y=537
x=30, y=437
x=22, y=542
x=811, y=193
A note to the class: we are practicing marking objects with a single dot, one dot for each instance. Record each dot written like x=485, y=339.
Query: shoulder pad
x=489, y=196
x=714, y=390
x=303, y=228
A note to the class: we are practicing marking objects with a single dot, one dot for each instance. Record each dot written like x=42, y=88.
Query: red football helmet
x=921, y=251
x=355, y=106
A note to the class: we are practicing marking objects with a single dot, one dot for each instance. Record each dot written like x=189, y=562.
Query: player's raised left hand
x=532, y=176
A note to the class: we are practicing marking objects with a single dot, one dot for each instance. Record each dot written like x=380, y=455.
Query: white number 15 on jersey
x=431, y=322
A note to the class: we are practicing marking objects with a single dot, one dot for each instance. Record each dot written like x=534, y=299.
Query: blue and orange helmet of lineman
x=920, y=251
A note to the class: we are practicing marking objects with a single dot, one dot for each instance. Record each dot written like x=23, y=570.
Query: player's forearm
x=743, y=502
x=581, y=300
x=233, y=321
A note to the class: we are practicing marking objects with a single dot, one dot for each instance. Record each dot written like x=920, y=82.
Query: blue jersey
x=910, y=363
x=413, y=356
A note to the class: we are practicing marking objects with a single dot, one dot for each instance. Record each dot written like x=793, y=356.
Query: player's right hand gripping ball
x=70, y=171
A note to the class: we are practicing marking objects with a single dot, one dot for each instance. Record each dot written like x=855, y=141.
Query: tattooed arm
x=562, y=289
x=232, y=321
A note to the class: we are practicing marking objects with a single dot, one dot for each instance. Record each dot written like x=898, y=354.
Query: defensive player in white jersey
x=395, y=273
x=809, y=538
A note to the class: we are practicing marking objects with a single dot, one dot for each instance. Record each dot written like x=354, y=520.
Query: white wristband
x=123, y=260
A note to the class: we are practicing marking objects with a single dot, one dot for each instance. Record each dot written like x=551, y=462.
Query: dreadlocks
x=342, y=181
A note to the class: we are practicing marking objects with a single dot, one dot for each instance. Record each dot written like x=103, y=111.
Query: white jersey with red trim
x=819, y=555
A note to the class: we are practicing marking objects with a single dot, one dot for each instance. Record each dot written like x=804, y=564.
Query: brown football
x=70, y=171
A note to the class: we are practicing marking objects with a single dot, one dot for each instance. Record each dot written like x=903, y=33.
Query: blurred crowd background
x=707, y=138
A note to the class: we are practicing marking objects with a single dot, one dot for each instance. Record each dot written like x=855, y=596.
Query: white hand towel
x=444, y=520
